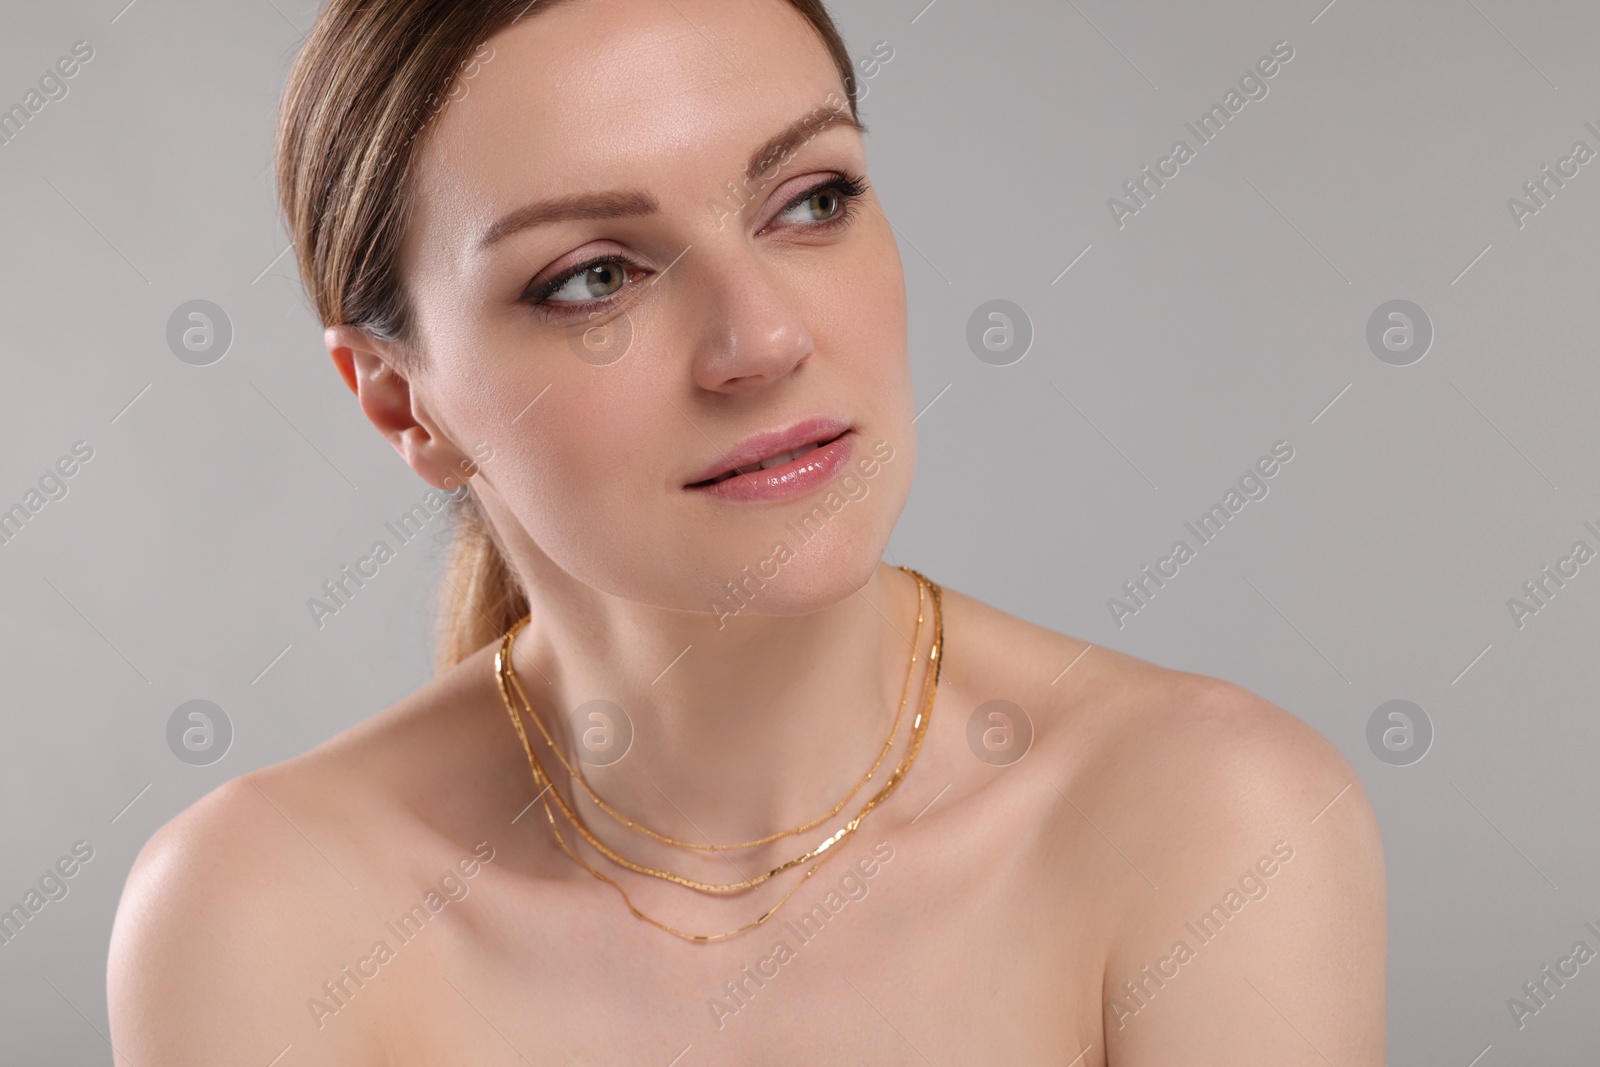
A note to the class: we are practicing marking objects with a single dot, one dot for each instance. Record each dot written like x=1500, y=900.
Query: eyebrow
x=631, y=203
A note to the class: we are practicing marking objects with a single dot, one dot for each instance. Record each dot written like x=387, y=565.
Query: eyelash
x=851, y=189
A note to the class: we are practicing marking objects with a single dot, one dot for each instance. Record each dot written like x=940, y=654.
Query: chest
x=948, y=951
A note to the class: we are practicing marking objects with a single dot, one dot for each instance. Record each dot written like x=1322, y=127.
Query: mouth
x=770, y=452
x=779, y=459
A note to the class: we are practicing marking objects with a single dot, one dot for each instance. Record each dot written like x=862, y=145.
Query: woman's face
x=719, y=306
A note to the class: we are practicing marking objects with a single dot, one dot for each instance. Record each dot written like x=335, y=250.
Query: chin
x=806, y=564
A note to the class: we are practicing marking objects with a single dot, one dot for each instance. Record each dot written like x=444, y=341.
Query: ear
x=370, y=368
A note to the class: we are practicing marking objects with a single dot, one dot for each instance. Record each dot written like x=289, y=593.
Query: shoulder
x=1214, y=842
x=254, y=897
x=1197, y=758
x=257, y=895
x=273, y=832
x=1133, y=734
x=222, y=908
x=1218, y=745
x=1245, y=853
x=1259, y=894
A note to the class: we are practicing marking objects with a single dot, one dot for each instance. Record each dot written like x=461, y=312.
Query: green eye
x=837, y=197
x=594, y=282
x=828, y=198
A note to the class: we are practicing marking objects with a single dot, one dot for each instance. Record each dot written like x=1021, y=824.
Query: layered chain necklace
x=507, y=682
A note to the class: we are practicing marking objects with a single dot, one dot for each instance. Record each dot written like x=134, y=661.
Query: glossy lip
x=758, y=447
x=796, y=478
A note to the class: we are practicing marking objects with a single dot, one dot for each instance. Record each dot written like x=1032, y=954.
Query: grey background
x=1230, y=313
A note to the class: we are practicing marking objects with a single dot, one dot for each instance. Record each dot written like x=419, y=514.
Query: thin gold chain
x=919, y=726
x=605, y=850
x=577, y=772
x=918, y=730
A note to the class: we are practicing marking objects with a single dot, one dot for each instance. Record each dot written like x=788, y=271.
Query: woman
x=610, y=272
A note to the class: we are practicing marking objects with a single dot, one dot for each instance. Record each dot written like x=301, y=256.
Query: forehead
x=592, y=95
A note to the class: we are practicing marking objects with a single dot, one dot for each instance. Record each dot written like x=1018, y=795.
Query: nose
x=749, y=330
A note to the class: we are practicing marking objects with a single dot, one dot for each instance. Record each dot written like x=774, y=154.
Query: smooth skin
x=1006, y=905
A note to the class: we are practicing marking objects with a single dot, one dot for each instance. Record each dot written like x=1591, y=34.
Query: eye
x=585, y=288
x=835, y=200
x=594, y=282
x=827, y=202
x=588, y=288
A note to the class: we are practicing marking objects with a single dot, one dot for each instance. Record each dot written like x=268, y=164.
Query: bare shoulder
x=1226, y=851
x=253, y=897
x=1259, y=892
x=1126, y=732
x=220, y=909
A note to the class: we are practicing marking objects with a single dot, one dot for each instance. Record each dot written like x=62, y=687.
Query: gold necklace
x=577, y=772
x=918, y=727
x=577, y=823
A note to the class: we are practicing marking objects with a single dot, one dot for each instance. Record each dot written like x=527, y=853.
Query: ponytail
x=480, y=598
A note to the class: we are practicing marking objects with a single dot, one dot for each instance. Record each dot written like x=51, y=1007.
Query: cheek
x=560, y=446
x=580, y=474
x=588, y=454
x=857, y=316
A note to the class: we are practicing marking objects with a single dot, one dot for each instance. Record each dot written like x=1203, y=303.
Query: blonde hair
x=367, y=82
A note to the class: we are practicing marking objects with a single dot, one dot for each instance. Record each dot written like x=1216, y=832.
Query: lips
x=815, y=467
x=765, y=451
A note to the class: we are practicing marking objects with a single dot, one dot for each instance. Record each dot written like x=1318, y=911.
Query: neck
x=741, y=727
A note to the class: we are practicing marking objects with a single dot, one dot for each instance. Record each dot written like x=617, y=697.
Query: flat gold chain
x=576, y=773
x=918, y=731
x=655, y=872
